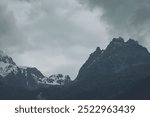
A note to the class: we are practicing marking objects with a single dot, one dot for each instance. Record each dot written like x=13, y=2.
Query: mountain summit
x=25, y=77
x=5, y=58
x=119, y=55
x=121, y=71
x=111, y=72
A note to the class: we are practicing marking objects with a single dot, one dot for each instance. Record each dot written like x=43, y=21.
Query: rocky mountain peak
x=132, y=42
x=118, y=55
x=96, y=53
x=26, y=77
x=98, y=49
x=118, y=40
x=6, y=59
x=93, y=57
x=115, y=44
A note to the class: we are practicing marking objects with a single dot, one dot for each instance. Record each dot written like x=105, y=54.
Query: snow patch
x=58, y=79
x=6, y=68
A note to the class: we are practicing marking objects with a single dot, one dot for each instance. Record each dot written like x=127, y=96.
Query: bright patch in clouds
x=56, y=36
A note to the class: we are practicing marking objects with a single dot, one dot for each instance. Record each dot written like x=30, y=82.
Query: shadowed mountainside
x=121, y=71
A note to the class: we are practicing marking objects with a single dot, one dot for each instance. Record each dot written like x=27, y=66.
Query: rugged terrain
x=121, y=71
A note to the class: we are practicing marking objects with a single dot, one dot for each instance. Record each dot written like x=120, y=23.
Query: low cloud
x=127, y=18
x=9, y=32
x=56, y=36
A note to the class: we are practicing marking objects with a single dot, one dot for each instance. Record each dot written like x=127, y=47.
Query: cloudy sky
x=57, y=36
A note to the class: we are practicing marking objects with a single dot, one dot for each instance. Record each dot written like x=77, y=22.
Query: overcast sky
x=57, y=36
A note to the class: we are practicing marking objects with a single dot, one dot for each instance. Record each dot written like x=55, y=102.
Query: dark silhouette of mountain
x=121, y=71
x=139, y=91
x=118, y=56
x=113, y=73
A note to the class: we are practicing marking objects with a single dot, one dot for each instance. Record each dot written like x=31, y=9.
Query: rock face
x=26, y=77
x=112, y=72
x=16, y=76
x=118, y=56
x=57, y=79
x=6, y=59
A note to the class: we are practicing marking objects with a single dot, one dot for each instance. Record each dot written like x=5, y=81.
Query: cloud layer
x=128, y=18
x=56, y=36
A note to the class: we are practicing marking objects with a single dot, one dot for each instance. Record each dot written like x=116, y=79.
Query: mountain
x=114, y=73
x=111, y=72
x=121, y=71
x=26, y=77
x=57, y=79
x=140, y=91
x=118, y=56
x=16, y=76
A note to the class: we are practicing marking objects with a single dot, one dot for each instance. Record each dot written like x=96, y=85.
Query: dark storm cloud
x=10, y=35
x=56, y=36
x=7, y=26
x=129, y=18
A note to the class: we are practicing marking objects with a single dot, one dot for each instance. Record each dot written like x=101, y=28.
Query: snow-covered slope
x=5, y=58
x=57, y=79
x=7, y=65
x=6, y=69
x=27, y=77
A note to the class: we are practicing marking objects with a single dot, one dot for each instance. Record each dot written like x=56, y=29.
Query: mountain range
x=26, y=77
x=121, y=71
